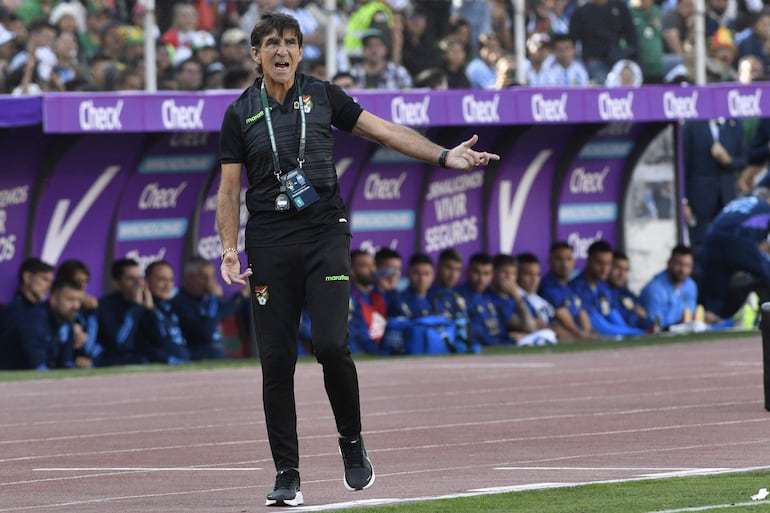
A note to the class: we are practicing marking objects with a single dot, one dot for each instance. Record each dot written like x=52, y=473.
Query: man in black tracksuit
x=298, y=234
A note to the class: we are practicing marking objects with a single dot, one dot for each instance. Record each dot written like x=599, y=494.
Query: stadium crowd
x=98, y=45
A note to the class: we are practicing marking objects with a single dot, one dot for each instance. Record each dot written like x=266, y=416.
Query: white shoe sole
x=351, y=489
x=298, y=500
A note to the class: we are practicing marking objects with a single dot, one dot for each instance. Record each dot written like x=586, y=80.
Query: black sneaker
x=286, y=490
x=359, y=473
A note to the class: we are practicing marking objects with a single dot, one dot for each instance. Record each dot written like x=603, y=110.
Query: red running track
x=194, y=441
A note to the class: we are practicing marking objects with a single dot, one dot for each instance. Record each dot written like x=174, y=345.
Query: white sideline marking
x=671, y=469
x=145, y=469
x=714, y=506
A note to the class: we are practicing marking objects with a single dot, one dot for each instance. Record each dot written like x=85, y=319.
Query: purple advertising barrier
x=161, y=196
x=730, y=101
x=519, y=209
x=206, y=236
x=452, y=208
x=589, y=195
x=94, y=113
x=680, y=103
x=192, y=111
x=79, y=199
x=351, y=153
x=20, y=111
x=23, y=150
x=382, y=208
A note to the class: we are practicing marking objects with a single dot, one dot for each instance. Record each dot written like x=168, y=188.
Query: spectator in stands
x=606, y=33
x=204, y=48
x=68, y=17
x=184, y=23
x=253, y=14
x=564, y=69
x=67, y=68
x=758, y=41
x=538, y=19
x=678, y=33
x=596, y=296
x=344, y=80
x=625, y=73
x=454, y=59
x=162, y=338
x=505, y=72
x=736, y=240
x=431, y=78
x=201, y=307
x=626, y=302
x=41, y=338
x=375, y=71
x=120, y=314
x=554, y=288
x=478, y=15
x=189, y=75
x=481, y=70
x=648, y=20
x=671, y=296
x=237, y=78
x=750, y=70
x=501, y=23
x=419, y=51
x=559, y=14
x=35, y=278
x=721, y=57
x=234, y=50
x=367, y=16
x=6, y=47
x=313, y=34
x=91, y=38
x=485, y=328
x=713, y=152
x=38, y=54
x=85, y=327
x=535, y=68
x=717, y=16
x=368, y=311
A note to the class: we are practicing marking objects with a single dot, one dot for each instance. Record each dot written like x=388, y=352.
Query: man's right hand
x=231, y=270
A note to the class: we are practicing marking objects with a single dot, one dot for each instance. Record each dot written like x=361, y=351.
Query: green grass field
x=719, y=492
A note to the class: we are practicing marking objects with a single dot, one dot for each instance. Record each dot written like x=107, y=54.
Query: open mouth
x=282, y=65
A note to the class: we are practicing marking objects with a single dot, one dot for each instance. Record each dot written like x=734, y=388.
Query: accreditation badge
x=299, y=188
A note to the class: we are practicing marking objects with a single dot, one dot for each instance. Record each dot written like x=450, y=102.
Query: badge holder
x=301, y=191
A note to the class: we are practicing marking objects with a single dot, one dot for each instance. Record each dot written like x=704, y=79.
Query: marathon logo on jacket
x=182, y=117
x=616, y=109
x=680, y=107
x=93, y=118
x=481, y=111
x=544, y=109
x=744, y=105
x=410, y=113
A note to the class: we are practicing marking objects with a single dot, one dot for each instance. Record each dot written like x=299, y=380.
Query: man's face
x=362, y=270
x=37, y=285
x=130, y=282
x=279, y=55
x=160, y=281
x=375, y=50
x=65, y=303
x=448, y=273
x=421, y=277
x=479, y=276
x=504, y=278
x=201, y=283
x=619, y=272
x=562, y=263
x=564, y=52
x=389, y=273
x=529, y=276
x=598, y=265
x=190, y=76
x=679, y=268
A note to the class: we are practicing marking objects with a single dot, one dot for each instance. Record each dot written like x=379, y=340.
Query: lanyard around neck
x=271, y=133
